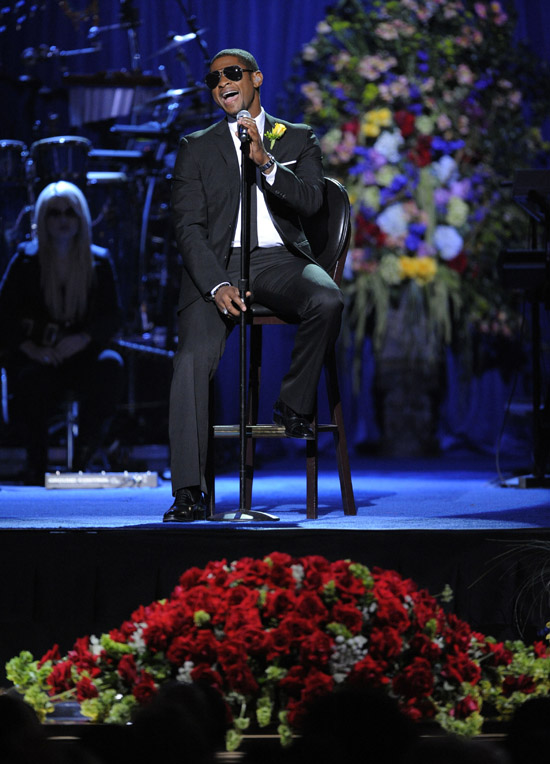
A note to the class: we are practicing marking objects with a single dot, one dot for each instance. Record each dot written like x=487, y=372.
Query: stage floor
x=455, y=491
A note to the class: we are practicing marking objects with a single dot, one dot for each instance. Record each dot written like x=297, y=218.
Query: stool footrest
x=261, y=430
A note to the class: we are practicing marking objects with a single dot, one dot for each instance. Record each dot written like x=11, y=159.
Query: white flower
x=393, y=220
x=388, y=145
x=447, y=241
x=444, y=169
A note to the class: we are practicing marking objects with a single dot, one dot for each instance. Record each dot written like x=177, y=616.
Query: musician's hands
x=71, y=344
x=258, y=153
x=39, y=354
x=229, y=302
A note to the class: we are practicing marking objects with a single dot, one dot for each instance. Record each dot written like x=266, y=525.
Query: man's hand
x=228, y=301
x=258, y=153
x=71, y=344
x=39, y=354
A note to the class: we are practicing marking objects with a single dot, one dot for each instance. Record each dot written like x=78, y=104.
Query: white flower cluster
x=184, y=673
x=136, y=640
x=345, y=654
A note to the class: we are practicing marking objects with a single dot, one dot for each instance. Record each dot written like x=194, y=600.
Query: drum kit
x=127, y=188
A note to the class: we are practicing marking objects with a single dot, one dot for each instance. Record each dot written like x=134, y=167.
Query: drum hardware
x=172, y=95
x=12, y=162
x=176, y=40
x=44, y=52
x=62, y=157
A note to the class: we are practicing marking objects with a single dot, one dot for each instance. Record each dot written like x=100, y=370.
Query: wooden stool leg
x=312, y=474
x=340, y=443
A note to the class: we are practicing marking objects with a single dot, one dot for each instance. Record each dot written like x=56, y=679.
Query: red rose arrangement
x=272, y=634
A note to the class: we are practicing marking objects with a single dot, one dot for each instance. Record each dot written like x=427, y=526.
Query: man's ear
x=257, y=79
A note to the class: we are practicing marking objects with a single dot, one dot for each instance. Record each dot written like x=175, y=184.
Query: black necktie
x=253, y=193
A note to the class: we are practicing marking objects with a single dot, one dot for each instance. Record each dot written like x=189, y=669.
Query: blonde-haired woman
x=59, y=310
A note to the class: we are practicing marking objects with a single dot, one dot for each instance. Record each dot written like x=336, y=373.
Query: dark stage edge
x=58, y=585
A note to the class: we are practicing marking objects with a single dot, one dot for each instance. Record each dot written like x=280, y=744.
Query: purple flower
x=412, y=242
x=446, y=147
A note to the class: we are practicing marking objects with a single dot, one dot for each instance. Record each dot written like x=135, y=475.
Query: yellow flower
x=426, y=268
x=277, y=132
x=421, y=269
x=371, y=130
x=380, y=117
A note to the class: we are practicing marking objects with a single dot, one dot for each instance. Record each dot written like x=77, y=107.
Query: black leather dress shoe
x=188, y=506
x=296, y=425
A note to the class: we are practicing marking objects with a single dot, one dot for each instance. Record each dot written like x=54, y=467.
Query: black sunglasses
x=233, y=73
x=53, y=212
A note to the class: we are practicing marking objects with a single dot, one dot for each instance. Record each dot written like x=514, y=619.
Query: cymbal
x=176, y=40
x=172, y=95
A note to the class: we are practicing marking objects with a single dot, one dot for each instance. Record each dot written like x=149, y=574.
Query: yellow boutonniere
x=277, y=132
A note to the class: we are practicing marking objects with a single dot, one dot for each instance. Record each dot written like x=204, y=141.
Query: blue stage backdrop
x=46, y=46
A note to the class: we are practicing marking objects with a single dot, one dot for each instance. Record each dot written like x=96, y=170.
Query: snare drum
x=12, y=162
x=64, y=157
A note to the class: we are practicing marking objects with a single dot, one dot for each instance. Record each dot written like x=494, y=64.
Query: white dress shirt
x=267, y=233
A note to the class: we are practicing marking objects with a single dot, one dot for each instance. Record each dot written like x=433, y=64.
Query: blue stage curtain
x=275, y=31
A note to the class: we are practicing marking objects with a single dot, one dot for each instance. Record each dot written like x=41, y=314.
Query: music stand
x=242, y=514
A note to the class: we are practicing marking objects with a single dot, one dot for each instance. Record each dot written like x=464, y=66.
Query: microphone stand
x=243, y=514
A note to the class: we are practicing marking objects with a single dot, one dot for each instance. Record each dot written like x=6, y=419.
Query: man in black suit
x=283, y=275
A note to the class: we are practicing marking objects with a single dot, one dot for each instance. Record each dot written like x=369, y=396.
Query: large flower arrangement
x=274, y=633
x=422, y=109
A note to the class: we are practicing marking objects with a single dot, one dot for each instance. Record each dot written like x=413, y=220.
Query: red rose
x=416, y=679
x=541, y=649
x=51, y=655
x=351, y=127
x=367, y=233
x=231, y=651
x=390, y=612
x=256, y=641
x=127, y=669
x=293, y=682
x=458, y=263
x=158, y=631
x=385, y=642
x=316, y=572
x=316, y=649
x=405, y=122
x=457, y=632
x=421, y=154
x=460, y=668
x=422, y=645
x=203, y=672
x=316, y=684
x=249, y=572
x=310, y=605
x=85, y=689
x=81, y=656
x=498, y=655
x=60, y=678
x=279, y=603
x=239, y=617
x=521, y=683
x=145, y=688
x=240, y=678
x=200, y=647
x=465, y=707
x=280, y=570
x=369, y=671
x=348, y=586
x=349, y=616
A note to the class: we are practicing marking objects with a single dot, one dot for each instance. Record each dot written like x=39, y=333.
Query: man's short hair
x=244, y=57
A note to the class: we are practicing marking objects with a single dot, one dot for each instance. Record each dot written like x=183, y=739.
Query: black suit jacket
x=205, y=199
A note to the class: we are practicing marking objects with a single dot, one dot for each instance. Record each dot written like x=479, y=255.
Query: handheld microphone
x=242, y=130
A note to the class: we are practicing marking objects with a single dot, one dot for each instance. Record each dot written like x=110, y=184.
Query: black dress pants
x=292, y=287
